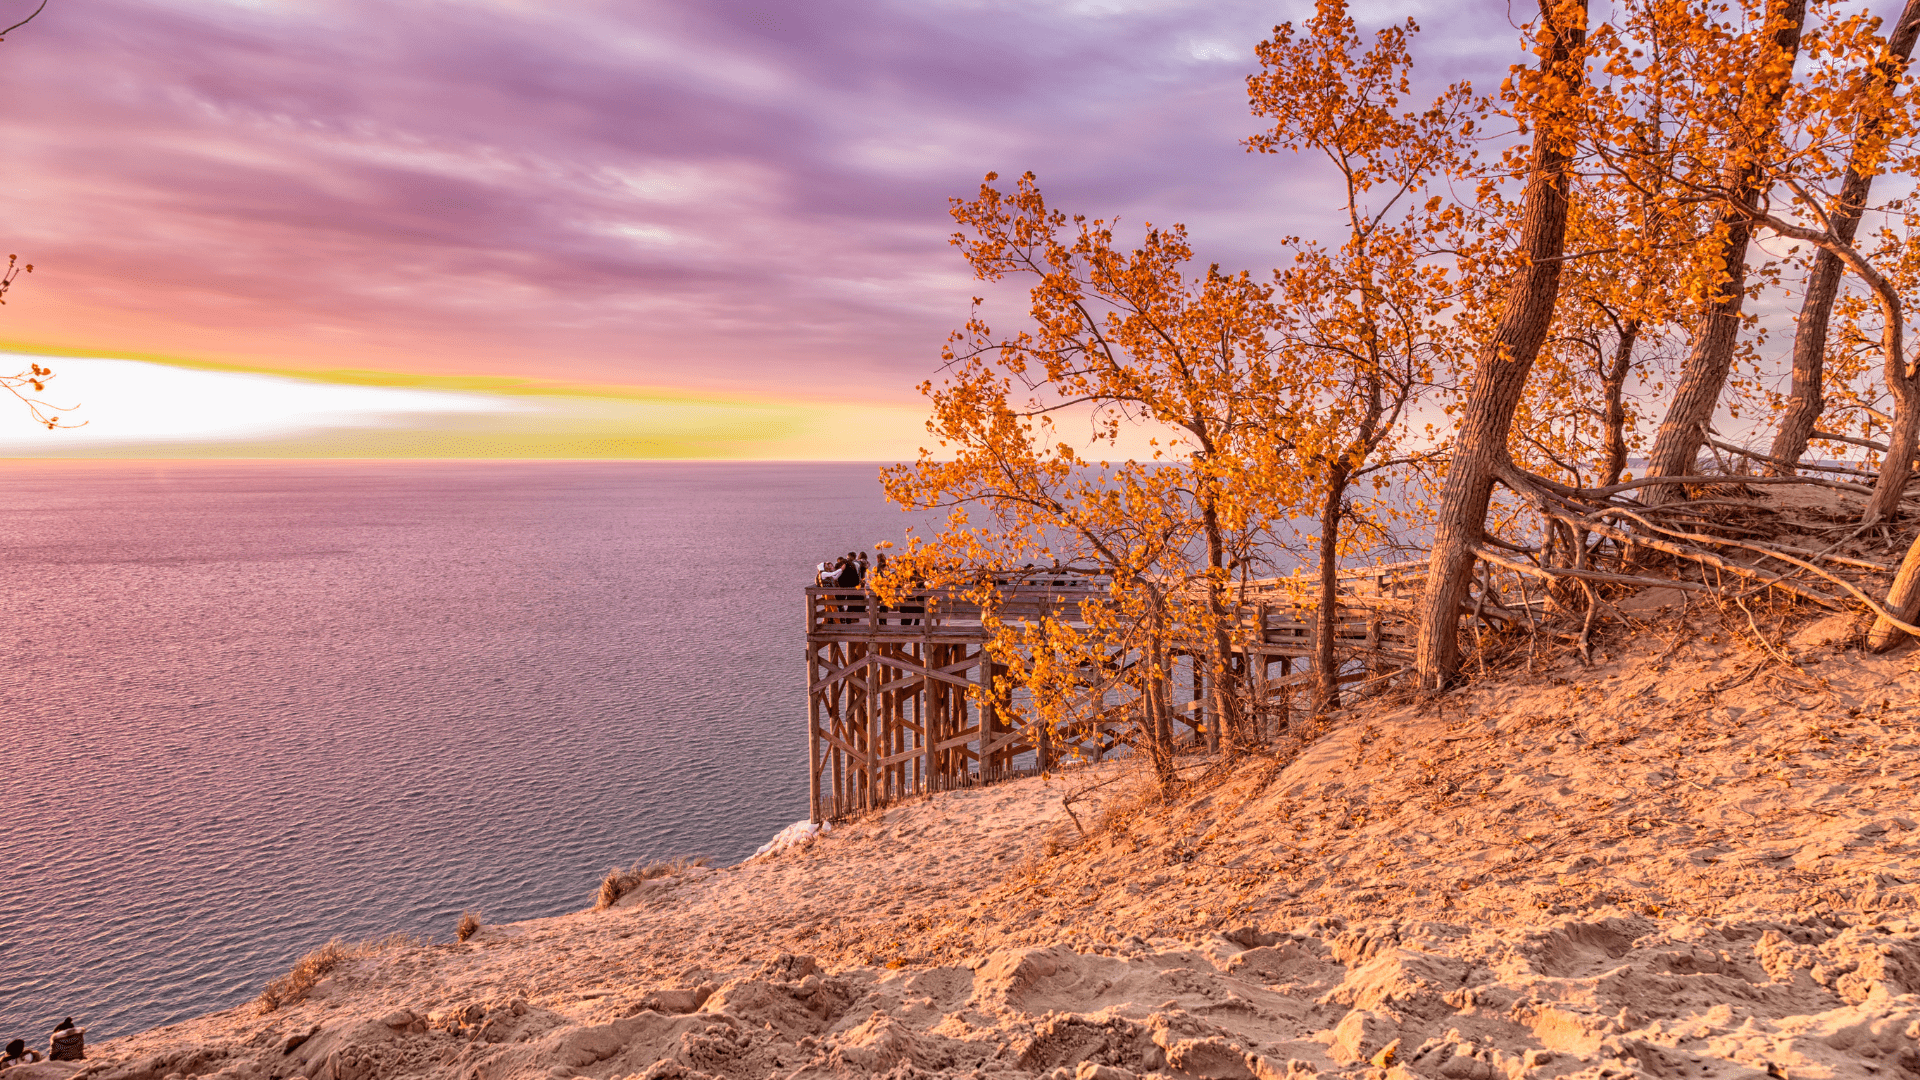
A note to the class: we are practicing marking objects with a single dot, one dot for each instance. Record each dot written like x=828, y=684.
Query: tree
x=1136, y=341
x=1730, y=88
x=24, y=384
x=1806, y=397
x=1368, y=319
x=1549, y=101
x=1853, y=122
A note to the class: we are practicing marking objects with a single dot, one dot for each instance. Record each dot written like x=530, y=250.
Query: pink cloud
x=726, y=194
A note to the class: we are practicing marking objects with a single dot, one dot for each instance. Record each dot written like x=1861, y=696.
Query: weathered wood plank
x=903, y=702
x=916, y=669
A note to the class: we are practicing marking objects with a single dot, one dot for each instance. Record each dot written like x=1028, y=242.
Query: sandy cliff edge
x=1693, y=859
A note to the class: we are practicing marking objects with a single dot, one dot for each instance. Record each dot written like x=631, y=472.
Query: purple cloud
x=731, y=194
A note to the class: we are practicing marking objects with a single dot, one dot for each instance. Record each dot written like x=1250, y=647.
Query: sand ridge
x=1695, y=858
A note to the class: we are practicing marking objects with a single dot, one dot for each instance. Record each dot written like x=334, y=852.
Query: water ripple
x=253, y=706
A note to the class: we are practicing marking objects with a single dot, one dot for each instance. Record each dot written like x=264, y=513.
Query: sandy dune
x=1693, y=859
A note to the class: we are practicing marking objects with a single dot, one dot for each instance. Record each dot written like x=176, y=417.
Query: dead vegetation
x=469, y=925
x=1731, y=539
x=1738, y=558
x=618, y=882
x=310, y=970
x=1724, y=767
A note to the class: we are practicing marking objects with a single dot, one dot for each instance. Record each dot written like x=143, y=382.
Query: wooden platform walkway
x=891, y=716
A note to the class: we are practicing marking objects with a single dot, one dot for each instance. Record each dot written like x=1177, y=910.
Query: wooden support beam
x=962, y=737
x=874, y=736
x=816, y=755
x=987, y=710
x=930, y=717
x=831, y=741
x=927, y=673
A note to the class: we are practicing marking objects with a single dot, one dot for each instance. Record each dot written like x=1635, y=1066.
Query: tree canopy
x=1531, y=347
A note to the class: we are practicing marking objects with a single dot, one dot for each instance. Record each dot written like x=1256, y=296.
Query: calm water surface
x=250, y=707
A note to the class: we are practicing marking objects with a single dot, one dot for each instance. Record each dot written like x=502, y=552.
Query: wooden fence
x=903, y=701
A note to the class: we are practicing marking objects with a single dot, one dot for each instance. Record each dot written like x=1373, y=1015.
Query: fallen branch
x=1851, y=440
x=1784, y=463
x=1868, y=564
x=1586, y=575
x=1516, y=477
x=1705, y=558
x=1877, y=609
x=1754, y=625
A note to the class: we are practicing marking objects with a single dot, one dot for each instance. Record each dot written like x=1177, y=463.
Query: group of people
x=849, y=571
x=68, y=1044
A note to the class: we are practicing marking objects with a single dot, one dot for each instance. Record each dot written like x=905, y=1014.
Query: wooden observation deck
x=895, y=694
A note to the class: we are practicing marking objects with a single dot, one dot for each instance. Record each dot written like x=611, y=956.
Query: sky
x=587, y=228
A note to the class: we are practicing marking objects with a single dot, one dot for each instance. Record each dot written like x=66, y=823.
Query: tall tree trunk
x=1806, y=398
x=1902, y=441
x=1326, y=666
x=1676, y=447
x=1501, y=369
x=1220, y=644
x=1901, y=379
x=1903, y=432
x=1903, y=600
x=1613, y=383
x=1704, y=374
x=1157, y=724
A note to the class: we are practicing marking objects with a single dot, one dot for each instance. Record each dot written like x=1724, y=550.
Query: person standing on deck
x=849, y=579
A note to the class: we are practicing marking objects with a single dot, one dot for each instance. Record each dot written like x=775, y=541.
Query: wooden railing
x=1372, y=616
x=1279, y=616
x=857, y=614
x=904, y=699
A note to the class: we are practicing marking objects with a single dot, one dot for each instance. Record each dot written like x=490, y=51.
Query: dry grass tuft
x=469, y=925
x=309, y=970
x=619, y=883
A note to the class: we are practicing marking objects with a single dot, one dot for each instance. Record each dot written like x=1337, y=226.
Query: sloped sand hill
x=1697, y=858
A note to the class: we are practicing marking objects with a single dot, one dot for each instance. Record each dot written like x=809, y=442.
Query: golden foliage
x=1319, y=395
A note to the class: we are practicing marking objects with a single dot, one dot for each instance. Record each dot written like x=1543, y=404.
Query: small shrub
x=307, y=972
x=293, y=987
x=619, y=883
x=469, y=925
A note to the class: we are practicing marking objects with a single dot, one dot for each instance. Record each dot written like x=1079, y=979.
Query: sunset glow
x=124, y=408
x=714, y=197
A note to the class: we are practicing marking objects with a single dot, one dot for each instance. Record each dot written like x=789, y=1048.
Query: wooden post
x=930, y=716
x=986, y=710
x=1257, y=687
x=1200, y=720
x=813, y=726
x=897, y=718
x=871, y=672
x=1286, y=697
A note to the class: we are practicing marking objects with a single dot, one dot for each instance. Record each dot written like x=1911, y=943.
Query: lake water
x=252, y=706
